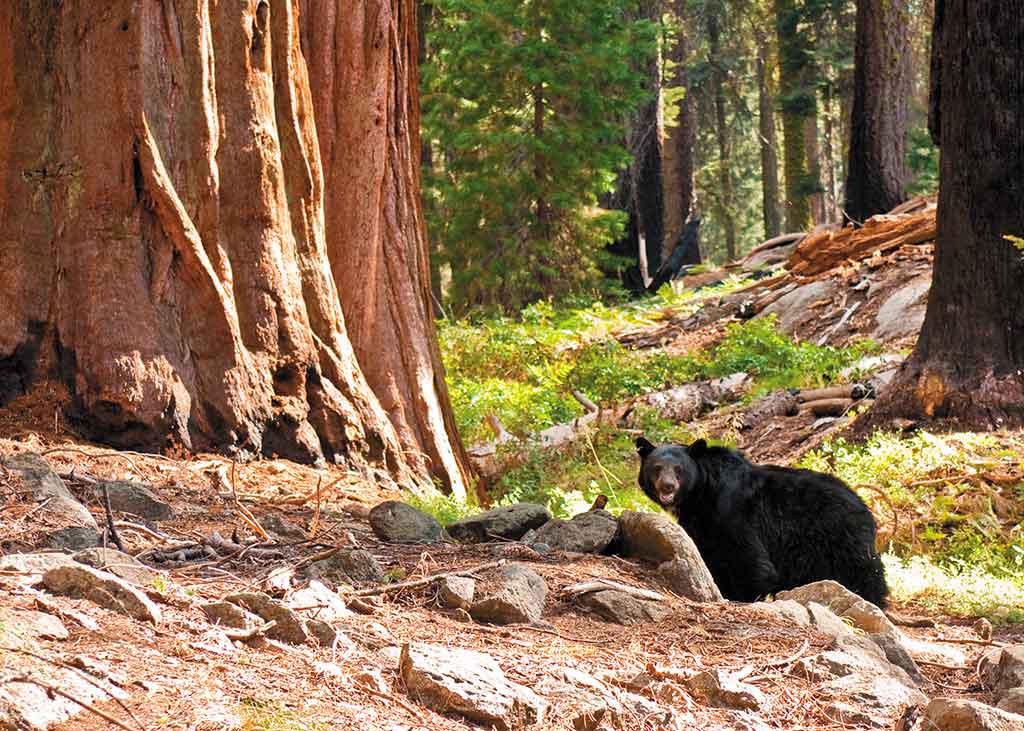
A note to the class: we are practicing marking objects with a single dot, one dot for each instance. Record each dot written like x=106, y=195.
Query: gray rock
x=792, y=308
x=353, y=566
x=518, y=595
x=290, y=627
x=397, y=522
x=456, y=592
x=660, y=540
x=317, y=601
x=786, y=610
x=120, y=564
x=721, y=690
x=862, y=614
x=34, y=563
x=72, y=538
x=590, y=532
x=948, y=714
x=622, y=608
x=988, y=667
x=282, y=527
x=876, y=699
x=838, y=600
x=227, y=614
x=1012, y=701
x=833, y=664
x=325, y=634
x=137, y=499
x=470, y=684
x=103, y=588
x=1010, y=672
x=510, y=522
x=902, y=314
x=36, y=474
x=26, y=624
x=898, y=655
x=584, y=708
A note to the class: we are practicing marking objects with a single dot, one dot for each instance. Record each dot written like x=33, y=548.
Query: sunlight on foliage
x=946, y=511
x=959, y=589
x=266, y=716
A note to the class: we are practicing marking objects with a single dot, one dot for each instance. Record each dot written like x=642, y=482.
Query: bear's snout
x=667, y=486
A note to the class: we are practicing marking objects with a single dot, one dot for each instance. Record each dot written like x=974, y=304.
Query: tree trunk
x=797, y=103
x=725, y=196
x=877, y=172
x=815, y=188
x=680, y=140
x=969, y=360
x=163, y=254
x=769, y=154
x=363, y=69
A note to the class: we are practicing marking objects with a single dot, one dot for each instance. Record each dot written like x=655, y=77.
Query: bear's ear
x=697, y=448
x=643, y=447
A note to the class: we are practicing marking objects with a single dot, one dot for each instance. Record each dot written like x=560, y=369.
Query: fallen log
x=847, y=391
x=775, y=242
x=828, y=406
x=679, y=404
x=826, y=250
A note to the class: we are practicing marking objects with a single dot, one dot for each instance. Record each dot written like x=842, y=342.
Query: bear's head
x=668, y=473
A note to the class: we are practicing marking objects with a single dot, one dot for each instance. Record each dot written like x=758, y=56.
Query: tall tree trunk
x=426, y=12
x=725, y=195
x=968, y=365
x=363, y=70
x=162, y=251
x=680, y=140
x=832, y=212
x=877, y=172
x=797, y=104
x=811, y=144
x=769, y=154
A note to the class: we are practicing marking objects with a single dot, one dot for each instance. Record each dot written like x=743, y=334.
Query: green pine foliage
x=525, y=103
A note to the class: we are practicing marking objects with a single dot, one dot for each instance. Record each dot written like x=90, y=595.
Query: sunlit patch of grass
x=956, y=589
x=270, y=716
x=446, y=508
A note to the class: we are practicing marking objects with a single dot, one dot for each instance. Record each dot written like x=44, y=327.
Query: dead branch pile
x=829, y=249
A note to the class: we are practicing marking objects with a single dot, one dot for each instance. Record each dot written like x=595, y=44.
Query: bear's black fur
x=760, y=528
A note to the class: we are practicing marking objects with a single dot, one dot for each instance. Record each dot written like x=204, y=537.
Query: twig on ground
x=247, y=517
x=415, y=583
x=110, y=519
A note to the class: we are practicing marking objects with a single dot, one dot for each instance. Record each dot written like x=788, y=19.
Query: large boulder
x=510, y=522
x=471, y=684
x=902, y=314
x=590, y=532
x=397, y=522
x=658, y=539
x=792, y=308
x=517, y=595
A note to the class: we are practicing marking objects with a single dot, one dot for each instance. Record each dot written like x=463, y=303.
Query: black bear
x=761, y=528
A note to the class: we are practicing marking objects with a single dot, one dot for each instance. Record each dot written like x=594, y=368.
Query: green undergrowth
x=949, y=508
x=524, y=371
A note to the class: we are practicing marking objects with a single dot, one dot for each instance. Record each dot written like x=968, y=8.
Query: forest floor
x=184, y=673
x=181, y=675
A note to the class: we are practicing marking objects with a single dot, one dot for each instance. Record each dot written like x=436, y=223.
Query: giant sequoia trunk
x=363, y=71
x=877, y=172
x=968, y=365
x=162, y=232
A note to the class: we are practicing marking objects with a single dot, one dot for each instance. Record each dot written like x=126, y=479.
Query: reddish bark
x=363, y=57
x=162, y=245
